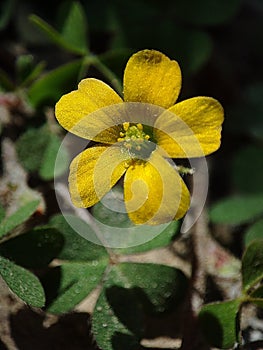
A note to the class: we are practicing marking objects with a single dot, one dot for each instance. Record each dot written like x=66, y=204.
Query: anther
x=126, y=126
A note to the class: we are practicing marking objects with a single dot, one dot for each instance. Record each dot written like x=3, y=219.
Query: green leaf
x=252, y=265
x=22, y=282
x=248, y=169
x=67, y=285
x=140, y=287
x=35, y=249
x=254, y=232
x=45, y=143
x=206, y=12
x=49, y=88
x=237, y=210
x=218, y=322
x=74, y=27
x=76, y=248
x=116, y=325
x=33, y=75
x=162, y=286
x=17, y=218
x=132, y=238
x=48, y=170
x=163, y=239
x=256, y=297
x=57, y=38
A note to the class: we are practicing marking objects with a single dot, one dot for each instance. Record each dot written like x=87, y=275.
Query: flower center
x=135, y=140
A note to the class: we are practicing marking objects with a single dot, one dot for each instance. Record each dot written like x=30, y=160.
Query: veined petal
x=191, y=128
x=94, y=172
x=154, y=192
x=151, y=77
x=73, y=110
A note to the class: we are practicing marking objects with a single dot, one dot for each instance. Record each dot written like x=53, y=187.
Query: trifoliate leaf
x=252, y=265
x=34, y=249
x=22, y=282
x=141, y=288
x=237, y=210
x=218, y=322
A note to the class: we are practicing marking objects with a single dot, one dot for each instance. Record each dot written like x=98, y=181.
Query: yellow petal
x=73, y=109
x=151, y=77
x=154, y=192
x=191, y=128
x=93, y=173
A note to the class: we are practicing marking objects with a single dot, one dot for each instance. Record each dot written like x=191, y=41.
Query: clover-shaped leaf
x=141, y=288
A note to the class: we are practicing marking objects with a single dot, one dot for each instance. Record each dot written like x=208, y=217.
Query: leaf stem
x=115, y=82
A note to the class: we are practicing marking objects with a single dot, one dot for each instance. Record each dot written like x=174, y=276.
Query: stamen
x=139, y=126
x=135, y=140
x=126, y=125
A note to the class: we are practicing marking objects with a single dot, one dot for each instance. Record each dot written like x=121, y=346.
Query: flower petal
x=154, y=192
x=93, y=173
x=151, y=77
x=191, y=128
x=73, y=108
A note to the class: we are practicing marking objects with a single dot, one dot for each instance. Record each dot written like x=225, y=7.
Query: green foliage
x=22, y=282
x=218, y=321
x=33, y=249
x=68, y=284
x=75, y=247
x=42, y=157
x=148, y=287
x=252, y=265
x=237, y=210
x=254, y=232
x=48, y=88
x=193, y=33
x=158, y=236
x=73, y=29
x=21, y=215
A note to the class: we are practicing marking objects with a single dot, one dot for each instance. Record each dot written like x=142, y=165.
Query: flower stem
x=115, y=82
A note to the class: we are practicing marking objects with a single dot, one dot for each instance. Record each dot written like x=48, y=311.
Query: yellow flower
x=137, y=135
